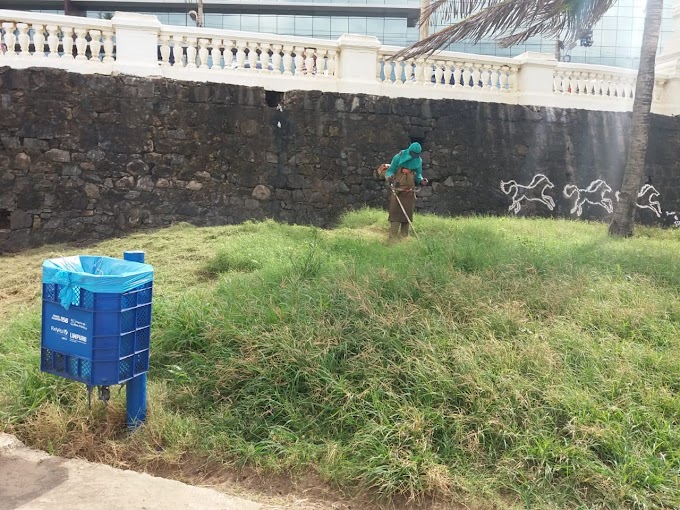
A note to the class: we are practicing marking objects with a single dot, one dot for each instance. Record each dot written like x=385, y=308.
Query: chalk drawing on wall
x=672, y=219
x=647, y=199
x=594, y=194
x=535, y=191
x=649, y=196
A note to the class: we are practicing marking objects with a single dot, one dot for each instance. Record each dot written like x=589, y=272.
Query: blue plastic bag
x=96, y=274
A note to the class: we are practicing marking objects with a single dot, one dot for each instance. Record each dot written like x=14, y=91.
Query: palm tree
x=515, y=21
x=624, y=212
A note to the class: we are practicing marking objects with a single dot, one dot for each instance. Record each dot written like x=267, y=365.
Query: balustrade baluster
x=512, y=79
x=53, y=41
x=557, y=82
x=108, y=46
x=582, y=84
x=488, y=78
x=24, y=40
x=597, y=85
x=428, y=73
x=240, y=55
x=566, y=83
x=400, y=72
x=276, y=59
x=467, y=76
x=310, y=62
x=438, y=73
x=419, y=71
x=165, y=50
x=576, y=84
x=457, y=74
x=216, y=46
x=331, y=63
x=287, y=60
x=95, y=45
x=264, y=57
x=67, y=42
x=299, y=61
x=10, y=39
x=447, y=74
x=178, y=50
x=494, y=74
x=81, y=43
x=321, y=63
x=476, y=77
x=228, y=55
x=203, y=53
x=391, y=70
x=607, y=86
x=252, y=56
x=39, y=40
x=191, y=52
x=504, y=79
x=591, y=84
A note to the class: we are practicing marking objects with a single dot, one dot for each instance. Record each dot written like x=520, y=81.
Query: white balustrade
x=249, y=54
x=140, y=45
x=448, y=74
x=68, y=42
x=594, y=82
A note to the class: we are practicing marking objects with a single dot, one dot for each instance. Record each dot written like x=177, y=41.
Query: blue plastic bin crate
x=96, y=319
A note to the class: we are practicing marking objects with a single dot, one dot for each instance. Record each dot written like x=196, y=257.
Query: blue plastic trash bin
x=96, y=319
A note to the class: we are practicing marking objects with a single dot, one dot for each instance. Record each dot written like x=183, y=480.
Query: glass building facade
x=616, y=38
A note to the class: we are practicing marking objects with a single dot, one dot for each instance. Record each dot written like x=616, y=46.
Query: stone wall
x=87, y=157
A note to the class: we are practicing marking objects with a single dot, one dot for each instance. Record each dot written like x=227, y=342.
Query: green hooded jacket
x=403, y=159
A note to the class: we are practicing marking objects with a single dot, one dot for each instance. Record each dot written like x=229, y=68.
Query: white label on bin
x=75, y=337
x=59, y=331
x=78, y=324
x=59, y=318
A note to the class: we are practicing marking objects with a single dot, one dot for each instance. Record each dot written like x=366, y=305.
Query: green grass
x=501, y=363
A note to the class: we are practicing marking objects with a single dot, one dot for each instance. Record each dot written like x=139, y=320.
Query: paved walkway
x=34, y=480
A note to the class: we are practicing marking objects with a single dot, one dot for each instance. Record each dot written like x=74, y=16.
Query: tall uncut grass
x=501, y=363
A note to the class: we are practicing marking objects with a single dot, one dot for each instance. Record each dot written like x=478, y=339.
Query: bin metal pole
x=135, y=392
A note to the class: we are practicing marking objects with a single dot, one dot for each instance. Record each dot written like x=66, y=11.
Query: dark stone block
x=20, y=219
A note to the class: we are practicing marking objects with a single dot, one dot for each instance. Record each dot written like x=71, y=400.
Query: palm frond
x=446, y=11
x=509, y=21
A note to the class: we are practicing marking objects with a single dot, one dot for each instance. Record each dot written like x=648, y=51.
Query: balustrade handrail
x=232, y=35
x=598, y=69
x=53, y=19
x=390, y=51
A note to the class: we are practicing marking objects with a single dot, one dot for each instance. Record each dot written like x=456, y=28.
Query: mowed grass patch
x=509, y=362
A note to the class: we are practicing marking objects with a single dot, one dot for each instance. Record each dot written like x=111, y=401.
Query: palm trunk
x=200, y=13
x=623, y=219
x=424, y=22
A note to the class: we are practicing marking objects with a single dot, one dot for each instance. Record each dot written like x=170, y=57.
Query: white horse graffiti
x=594, y=194
x=649, y=195
x=519, y=192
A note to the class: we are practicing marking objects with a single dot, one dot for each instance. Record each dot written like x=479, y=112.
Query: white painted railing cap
x=54, y=19
x=534, y=57
x=355, y=41
x=135, y=20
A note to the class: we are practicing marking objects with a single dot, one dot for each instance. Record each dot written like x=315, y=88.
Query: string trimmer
x=396, y=195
